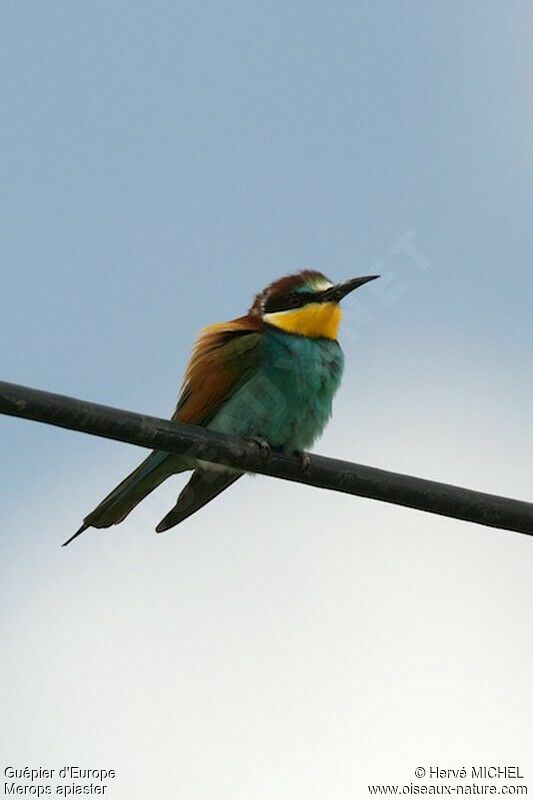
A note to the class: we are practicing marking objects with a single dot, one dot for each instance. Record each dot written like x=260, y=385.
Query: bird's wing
x=225, y=356
x=223, y=359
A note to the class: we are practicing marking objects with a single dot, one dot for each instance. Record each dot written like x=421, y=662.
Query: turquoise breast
x=288, y=401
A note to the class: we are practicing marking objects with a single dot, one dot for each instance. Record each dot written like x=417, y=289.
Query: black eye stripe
x=284, y=302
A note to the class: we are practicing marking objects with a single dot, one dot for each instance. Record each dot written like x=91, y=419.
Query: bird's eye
x=287, y=301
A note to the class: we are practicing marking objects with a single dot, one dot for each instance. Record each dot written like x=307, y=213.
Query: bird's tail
x=134, y=488
x=204, y=486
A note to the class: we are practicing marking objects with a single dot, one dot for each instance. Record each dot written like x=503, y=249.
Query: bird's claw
x=303, y=458
x=262, y=445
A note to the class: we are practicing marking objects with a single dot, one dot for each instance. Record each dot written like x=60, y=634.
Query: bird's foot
x=262, y=445
x=303, y=458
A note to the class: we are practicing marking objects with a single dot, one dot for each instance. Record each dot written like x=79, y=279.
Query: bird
x=269, y=375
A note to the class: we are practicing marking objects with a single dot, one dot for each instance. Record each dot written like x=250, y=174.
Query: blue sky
x=162, y=162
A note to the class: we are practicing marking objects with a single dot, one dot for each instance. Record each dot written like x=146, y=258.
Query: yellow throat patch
x=316, y=320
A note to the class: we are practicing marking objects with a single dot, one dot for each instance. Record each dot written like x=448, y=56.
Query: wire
x=319, y=471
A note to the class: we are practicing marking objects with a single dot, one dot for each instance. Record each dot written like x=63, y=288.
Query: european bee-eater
x=270, y=375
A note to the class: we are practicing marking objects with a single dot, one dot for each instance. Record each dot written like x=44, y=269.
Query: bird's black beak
x=336, y=293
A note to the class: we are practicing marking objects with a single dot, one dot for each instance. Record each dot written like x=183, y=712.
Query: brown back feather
x=223, y=358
